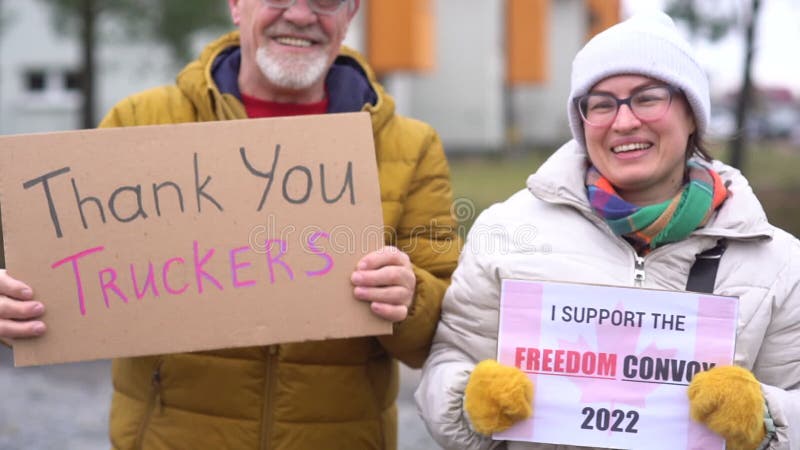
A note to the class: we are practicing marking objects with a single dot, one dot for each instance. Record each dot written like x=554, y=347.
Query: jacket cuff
x=769, y=425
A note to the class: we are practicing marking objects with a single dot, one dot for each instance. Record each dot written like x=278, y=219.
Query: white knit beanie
x=646, y=44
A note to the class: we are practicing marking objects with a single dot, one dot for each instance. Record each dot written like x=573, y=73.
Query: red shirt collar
x=257, y=108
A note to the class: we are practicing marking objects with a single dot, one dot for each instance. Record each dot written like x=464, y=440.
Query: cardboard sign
x=163, y=239
x=610, y=366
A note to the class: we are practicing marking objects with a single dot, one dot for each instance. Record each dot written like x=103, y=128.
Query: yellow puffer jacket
x=336, y=394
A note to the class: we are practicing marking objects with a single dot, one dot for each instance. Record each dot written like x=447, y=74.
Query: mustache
x=312, y=32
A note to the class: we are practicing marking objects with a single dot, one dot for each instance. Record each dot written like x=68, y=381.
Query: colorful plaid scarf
x=649, y=227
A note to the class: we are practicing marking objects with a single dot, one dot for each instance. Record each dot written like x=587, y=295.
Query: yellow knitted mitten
x=497, y=396
x=729, y=402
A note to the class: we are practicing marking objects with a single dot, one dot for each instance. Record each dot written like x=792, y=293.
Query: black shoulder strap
x=704, y=270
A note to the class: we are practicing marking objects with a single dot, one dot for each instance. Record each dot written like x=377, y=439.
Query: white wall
x=28, y=41
x=463, y=96
x=542, y=109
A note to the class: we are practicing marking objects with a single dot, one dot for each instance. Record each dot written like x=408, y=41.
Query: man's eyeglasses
x=647, y=104
x=324, y=7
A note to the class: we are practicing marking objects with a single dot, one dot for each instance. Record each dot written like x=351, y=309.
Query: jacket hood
x=211, y=84
x=560, y=179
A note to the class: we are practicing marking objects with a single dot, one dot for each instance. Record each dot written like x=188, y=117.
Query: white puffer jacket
x=549, y=232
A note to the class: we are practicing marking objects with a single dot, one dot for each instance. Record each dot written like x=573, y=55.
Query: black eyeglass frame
x=580, y=103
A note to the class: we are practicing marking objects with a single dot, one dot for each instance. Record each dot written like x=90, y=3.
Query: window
x=72, y=80
x=56, y=81
x=48, y=87
x=35, y=80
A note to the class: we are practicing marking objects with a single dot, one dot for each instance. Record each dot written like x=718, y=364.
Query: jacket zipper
x=153, y=401
x=638, y=267
x=267, y=414
x=638, y=271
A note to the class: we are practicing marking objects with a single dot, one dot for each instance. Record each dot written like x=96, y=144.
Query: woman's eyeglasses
x=647, y=104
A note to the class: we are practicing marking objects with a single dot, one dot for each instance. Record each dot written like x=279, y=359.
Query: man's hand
x=385, y=278
x=18, y=313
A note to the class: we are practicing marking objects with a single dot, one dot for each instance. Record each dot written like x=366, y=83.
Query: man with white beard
x=286, y=59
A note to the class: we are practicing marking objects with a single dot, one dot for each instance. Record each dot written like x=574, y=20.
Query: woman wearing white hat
x=630, y=201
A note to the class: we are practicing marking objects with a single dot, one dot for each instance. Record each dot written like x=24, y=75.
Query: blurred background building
x=486, y=74
x=40, y=70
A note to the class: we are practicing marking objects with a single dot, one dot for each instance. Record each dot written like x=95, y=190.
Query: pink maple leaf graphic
x=622, y=341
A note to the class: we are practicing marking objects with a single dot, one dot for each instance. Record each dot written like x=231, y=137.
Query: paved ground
x=65, y=407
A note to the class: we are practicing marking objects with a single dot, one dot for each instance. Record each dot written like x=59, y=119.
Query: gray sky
x=777, y=42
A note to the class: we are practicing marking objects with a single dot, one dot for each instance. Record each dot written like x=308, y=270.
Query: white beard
x=292, y=72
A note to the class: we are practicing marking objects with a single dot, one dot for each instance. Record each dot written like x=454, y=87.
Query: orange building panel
x=602, y=14
x=527, y=41
x=400, y=35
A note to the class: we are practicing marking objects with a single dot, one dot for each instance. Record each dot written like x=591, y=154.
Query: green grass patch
x=772, y=169
x=486, y=180
x=480, y=181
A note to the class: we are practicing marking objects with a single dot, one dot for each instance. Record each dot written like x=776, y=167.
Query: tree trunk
x=88, y=15
x=739, y=140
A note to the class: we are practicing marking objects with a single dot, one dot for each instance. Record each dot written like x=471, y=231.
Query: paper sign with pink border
x=610, y=365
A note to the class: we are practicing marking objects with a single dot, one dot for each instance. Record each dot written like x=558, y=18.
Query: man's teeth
x=630, y=147
x=294, y=42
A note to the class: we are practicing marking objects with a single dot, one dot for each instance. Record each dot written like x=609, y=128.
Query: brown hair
x=696, y=146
